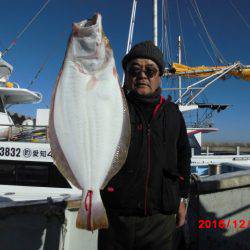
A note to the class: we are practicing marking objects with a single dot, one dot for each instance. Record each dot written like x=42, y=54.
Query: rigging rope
x=206, y=49
x=162, y=29
x=217, y=53
x=239, y=14
x=166, y=48
x=37, y=75
x=44, y=64
x=202, y=40
x=169, y=33
x=165, y=33
x=1, y=44
x=25, y=28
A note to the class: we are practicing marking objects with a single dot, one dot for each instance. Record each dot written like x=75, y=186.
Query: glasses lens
x=134, y=71
x=150, y=72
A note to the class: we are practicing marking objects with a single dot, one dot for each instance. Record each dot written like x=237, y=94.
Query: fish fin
x=92, y=214
x=57, y=153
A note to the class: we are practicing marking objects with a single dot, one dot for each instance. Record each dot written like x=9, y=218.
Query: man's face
x=143, y=76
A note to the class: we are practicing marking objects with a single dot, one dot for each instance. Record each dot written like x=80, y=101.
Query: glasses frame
x=145, y=71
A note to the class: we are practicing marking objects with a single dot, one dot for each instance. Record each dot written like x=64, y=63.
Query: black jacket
x=157, y=169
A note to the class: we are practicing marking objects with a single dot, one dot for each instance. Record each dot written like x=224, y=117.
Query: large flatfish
x=89, y=126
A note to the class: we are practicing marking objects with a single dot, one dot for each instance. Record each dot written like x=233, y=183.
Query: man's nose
x=142, y=74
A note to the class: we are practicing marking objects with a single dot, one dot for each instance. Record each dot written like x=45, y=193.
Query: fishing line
x=14, y=41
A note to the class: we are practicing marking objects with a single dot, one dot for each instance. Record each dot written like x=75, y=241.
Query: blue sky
x=48, y=35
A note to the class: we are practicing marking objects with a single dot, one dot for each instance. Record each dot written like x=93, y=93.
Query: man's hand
x=181, y=215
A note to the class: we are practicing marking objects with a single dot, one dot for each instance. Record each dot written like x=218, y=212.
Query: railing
x=199, y=124
x=24, y=133
x=3, y=84
x=225, y=149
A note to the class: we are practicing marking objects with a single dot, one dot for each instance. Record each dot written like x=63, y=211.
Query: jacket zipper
x=149, y=153
x=148, y=170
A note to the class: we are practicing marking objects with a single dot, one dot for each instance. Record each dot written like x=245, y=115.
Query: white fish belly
x=88, y=119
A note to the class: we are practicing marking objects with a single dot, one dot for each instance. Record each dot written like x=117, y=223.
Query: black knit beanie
x=147, y=50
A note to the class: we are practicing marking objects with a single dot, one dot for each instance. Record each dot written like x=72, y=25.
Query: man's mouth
x=141, y=84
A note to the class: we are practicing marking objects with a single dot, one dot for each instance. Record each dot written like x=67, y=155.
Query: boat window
x=31, y=174
x=1, y=106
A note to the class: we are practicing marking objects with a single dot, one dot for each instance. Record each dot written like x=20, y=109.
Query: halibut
x=89, y=125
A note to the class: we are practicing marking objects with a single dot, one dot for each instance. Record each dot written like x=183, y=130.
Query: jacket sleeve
x=183, y=158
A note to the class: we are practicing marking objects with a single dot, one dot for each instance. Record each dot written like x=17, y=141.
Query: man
x=145, y=200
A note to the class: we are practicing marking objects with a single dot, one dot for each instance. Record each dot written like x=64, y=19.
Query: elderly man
x=145, y=201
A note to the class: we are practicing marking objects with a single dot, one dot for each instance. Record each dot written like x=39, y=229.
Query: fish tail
x=92, y=214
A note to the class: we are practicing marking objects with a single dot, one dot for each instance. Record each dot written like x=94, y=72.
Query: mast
x=131, y=26
x=179, y=61
x=131, y=32
x=155, y=21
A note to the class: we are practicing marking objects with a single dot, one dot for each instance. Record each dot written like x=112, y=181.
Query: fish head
x=90, y=47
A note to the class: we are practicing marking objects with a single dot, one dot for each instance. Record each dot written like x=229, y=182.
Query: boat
x=30, y=183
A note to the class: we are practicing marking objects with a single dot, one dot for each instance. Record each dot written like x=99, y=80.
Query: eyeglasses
x=150, y=72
